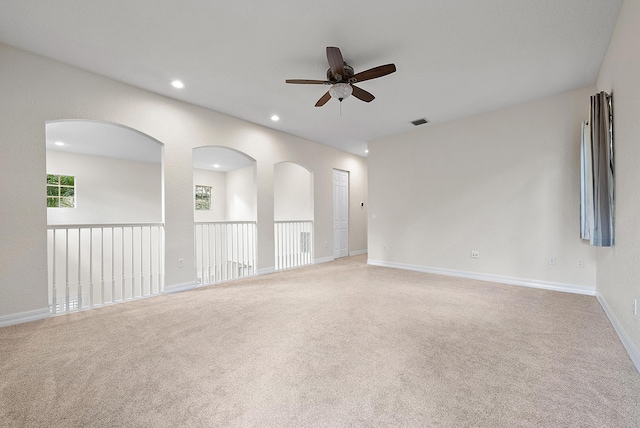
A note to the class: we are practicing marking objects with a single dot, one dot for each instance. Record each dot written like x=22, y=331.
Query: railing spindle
x=203, y=275
x=141, y=263
x=159, y=260
x=54, y=291
x=289, y=246
x=79, y=268
x=113, y=274
x=236, y=269
x=280, y=245
x=133, y=275
x=296, y=243
x=158, y=275
x=66, y=270
x=150, y=263
x=225, y=254
x=122, y=282
x=91, y=267
x=208, y=248
x=218, y=248
x=244, y=249
x=102, y=265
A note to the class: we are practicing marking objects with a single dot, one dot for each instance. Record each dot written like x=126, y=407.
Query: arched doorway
x=105, y=214
x=293, y=214
x=225, y=214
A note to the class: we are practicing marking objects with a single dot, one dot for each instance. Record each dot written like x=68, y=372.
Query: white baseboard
x=633, y=352
x=266, y=271
x=358, y=252
x=177, y=288
x=533, y=283
x=19, y=318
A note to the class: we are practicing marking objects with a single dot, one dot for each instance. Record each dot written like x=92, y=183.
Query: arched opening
x=105, y=213
x=293, y=214
x=225, y=214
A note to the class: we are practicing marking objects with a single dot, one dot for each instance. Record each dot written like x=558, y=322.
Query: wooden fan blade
x=336, y=63
x=374, y=72
x=308, y=82
x=323, y=100
x=361, y=94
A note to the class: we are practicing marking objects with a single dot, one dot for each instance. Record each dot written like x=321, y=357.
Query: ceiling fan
x=341, y=77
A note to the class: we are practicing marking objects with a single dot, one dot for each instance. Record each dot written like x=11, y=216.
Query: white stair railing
x=293, y=243
x=225, y=250
x=92, y=265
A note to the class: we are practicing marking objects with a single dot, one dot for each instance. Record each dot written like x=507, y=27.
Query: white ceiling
x=454, y=58
x=226, y=159
x=102, y=139
x=115, y=141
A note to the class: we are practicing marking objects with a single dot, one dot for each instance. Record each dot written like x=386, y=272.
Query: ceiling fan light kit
x=340, y=91
x=342, y=79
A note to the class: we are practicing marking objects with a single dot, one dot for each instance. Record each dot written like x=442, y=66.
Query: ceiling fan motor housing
x=348, y=74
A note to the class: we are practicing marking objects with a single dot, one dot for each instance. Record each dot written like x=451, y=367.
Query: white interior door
x=340, y=213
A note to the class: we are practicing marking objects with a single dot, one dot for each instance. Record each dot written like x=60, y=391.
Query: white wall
x=505, y=183
x=107, y=190
x=292, y=192
x=619, y=266
x=217, y=181
x=241, y=194
x=233, y=195
x=36, y=90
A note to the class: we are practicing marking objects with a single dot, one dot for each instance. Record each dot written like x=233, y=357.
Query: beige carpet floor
x=341, y=344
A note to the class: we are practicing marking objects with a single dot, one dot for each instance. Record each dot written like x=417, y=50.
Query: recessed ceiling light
x=215, y=165
x=366, y=151
x=275, y=118
x=177, y=84
x=59, y=143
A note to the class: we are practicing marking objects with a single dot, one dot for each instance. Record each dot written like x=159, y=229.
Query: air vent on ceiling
x=419, y=121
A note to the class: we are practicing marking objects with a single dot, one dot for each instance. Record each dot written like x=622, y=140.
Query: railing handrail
x=96, y=226
x=226, y=222
x=293, y=221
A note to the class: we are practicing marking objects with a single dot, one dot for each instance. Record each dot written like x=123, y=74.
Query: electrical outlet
x=552, y=261
x=635, y=306
x=475, y=254
x=180, y=263
x=580, y=263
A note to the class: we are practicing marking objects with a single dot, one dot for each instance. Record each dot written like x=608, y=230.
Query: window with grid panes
x=61, y=190
x=203, y=197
